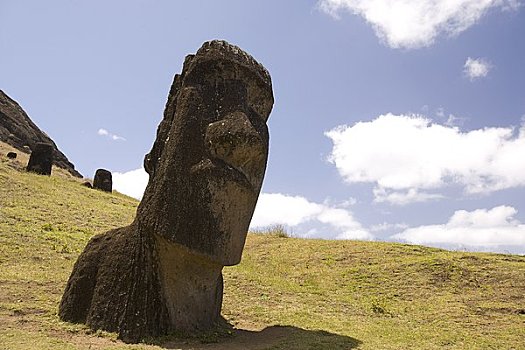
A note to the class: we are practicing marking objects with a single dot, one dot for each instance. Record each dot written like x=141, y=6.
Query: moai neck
x=192, y=286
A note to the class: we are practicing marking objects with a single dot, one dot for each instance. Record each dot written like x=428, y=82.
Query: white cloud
x=342, y=219
x=131, y=183
x=416, y=23
x=385, y=226
x=292, y=211
x=105, y=133
x=276, y=208
x=405, y=156
x=476, y=68
x=102, y=132
x=451, y=119
x=361, y=235
x=482, y=229
x=349, y=202
x=412, y=195
x=512, y=5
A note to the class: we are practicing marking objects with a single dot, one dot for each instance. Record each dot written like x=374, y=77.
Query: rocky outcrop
x=19, y=131
x=163, y=273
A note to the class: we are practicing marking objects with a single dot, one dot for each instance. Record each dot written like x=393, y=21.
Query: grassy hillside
x=287, y=293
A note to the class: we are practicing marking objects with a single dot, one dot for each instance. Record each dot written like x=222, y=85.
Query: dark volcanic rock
x=41, y=159
x=17, y=130
x=87, y=184
x=11, y=155
x=103, y=180
x=163, y=273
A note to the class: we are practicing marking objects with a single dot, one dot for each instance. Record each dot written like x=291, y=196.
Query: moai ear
x=151, y=159
x=148, y=164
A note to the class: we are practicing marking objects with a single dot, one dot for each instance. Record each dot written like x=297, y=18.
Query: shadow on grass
x=274, y=338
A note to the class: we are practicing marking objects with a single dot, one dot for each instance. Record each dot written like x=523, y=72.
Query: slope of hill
x=287, y=293
x=18, y=130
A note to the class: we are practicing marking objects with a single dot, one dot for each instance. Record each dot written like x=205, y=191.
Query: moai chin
x=163, y=273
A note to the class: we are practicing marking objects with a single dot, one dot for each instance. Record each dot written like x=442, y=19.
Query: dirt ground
x=241, y=339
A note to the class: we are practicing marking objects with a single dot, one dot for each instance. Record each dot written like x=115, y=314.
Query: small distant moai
x=163, y=273
x=41, y=159
x=103, y=180
x=11, y=155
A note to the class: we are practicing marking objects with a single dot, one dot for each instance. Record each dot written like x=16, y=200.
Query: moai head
x=41, y=158
x=207, y=164
x=103, y=180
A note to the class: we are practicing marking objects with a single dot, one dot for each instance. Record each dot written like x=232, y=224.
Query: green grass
x=305, y=294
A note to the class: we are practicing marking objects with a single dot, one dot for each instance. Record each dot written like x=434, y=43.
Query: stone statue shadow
x=273, y=337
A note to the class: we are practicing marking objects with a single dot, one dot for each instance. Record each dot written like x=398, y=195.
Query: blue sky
x=393, y=120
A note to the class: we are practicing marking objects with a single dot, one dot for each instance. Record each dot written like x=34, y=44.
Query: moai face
x=207, y=170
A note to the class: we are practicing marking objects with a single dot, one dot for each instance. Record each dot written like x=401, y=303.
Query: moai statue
x=103, y=180
x=41, y=159
x=163, y=273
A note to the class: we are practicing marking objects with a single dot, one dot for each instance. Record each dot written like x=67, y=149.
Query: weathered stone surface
x=19, y=131
x=103, y=180
x=87, y=184
x=41, y=159
x=11, y=155
x=163, y=273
